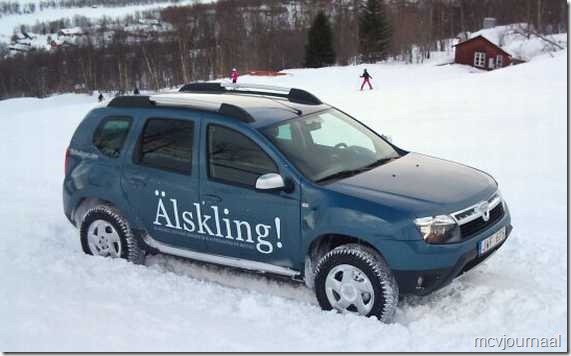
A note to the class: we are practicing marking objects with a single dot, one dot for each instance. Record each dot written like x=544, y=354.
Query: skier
x=136, y=91
x=366, y=79
x=100, y=97
x=234, y=75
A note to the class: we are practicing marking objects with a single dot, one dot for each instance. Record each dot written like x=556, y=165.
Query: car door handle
x=211, y=199
x=137, y=181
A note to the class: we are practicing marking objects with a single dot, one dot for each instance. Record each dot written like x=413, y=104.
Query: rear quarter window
x=110, y=135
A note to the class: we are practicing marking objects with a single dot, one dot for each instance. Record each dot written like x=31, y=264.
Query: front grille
x=473, y=227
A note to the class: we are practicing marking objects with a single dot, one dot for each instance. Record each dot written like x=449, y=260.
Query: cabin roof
x=486, y=40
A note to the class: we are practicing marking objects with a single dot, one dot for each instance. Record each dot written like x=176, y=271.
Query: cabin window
x=499, y=61
x=480, y=59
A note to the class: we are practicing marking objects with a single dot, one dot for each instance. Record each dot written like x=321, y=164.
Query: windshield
x=330, y=145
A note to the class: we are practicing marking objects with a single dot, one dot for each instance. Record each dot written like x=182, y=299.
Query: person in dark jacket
x=366, y=79
x=136, y=91
x=100, y=97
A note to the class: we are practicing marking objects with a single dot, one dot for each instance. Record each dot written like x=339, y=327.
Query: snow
x=513, y=40
x=509, y=122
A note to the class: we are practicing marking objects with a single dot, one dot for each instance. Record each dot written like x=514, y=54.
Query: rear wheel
x=105, y=232
x=355, y=279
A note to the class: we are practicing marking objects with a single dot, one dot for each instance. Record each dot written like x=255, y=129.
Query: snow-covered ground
x=510, y=122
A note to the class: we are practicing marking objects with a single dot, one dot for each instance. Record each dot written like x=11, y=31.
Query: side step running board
x=220, y=260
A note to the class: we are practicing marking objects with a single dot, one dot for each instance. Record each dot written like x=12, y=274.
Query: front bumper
x=433, y=279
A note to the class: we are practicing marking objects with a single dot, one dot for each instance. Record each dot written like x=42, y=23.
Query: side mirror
x=270, y=181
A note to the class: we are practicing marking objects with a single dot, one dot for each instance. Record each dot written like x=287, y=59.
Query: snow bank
x=510, y=122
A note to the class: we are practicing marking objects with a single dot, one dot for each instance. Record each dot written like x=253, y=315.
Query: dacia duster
x=272, y=180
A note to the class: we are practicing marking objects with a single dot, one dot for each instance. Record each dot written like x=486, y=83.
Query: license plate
x=490, y=242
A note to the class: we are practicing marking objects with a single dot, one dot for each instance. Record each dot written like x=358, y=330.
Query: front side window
x=110, y=136
x=234, y=158
x=480, y=59
x=330, y=145
x=167, y=144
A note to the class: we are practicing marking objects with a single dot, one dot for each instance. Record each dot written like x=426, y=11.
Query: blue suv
x=272, y=180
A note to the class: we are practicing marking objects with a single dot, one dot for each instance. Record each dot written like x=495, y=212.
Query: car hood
x=420, y=184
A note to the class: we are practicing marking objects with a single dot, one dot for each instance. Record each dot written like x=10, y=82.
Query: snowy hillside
x=510, y=123
x=10, y=22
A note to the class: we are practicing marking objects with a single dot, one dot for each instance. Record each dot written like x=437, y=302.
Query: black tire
x=131, y=247
x=373, y=266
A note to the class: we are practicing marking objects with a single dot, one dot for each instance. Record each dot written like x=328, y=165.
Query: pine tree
x=374, y=31
x=319, y=51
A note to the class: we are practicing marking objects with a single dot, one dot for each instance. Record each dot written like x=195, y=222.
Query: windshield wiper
x=351, y=172
x=379, y=162
x=342, y=174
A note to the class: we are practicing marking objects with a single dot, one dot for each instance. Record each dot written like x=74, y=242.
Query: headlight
x=438, y=229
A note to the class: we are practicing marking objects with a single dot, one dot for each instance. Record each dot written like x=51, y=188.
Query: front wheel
x=105, y=232
x=355, y=279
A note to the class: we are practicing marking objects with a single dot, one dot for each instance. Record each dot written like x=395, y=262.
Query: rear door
x=161, y=178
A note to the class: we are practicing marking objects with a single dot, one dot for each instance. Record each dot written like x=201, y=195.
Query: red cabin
x=481, y=53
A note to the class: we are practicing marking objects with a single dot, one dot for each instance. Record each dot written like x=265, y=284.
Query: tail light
x=66, y=161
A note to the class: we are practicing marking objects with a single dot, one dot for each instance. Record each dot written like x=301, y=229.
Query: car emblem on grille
x=484, y=209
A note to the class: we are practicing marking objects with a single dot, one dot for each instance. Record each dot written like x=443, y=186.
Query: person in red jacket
x=366, y=80
x=234, y=75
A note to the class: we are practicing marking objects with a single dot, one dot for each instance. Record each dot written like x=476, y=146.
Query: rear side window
x=110, y=135
x=167, y=144
x=234, y=158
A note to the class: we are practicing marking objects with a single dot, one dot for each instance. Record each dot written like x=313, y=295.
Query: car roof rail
x=202, y=87
x=238, y=86
x=236, y=112
x=181, y=100
x=178, y=100
x=292, y=94
x=129, y=101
